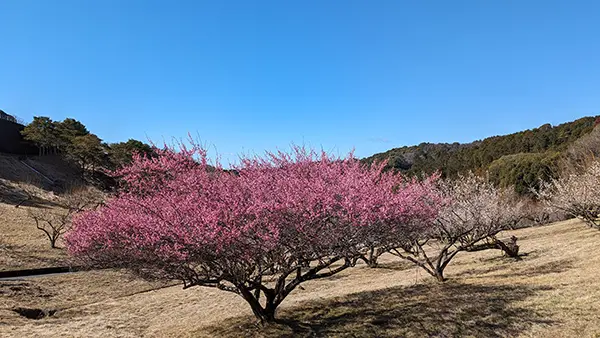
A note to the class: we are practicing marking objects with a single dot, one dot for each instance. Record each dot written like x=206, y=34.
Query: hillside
x=536, y=150
x=552, y=292
x=520, y=159
x=51, y=173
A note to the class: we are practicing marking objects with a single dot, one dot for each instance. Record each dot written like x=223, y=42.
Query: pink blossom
x=275, y=217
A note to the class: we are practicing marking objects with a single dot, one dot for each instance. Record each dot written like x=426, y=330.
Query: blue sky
x=253, y=75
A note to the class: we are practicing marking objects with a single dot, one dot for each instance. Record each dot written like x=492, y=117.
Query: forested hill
x=521, y=158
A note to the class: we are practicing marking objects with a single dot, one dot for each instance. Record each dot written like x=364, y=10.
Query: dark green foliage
x=452, y=159
x=53, y=135
x=121, y=153
x=73, y=140
x=42, y=132
x=68, y=129
x=87, y=150
x=524, y=171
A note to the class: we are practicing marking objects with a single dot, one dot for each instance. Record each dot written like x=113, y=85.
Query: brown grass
x=53, y=166
x=553, y=292
x=22, y=246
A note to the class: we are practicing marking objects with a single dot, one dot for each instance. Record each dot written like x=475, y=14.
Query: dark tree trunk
x=511, y=249
x=373, y=256
x=439, y=275
x=265, y=315
x=283, y=287
x=373, y=263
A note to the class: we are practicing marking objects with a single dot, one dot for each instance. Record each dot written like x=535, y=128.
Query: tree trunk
x=511, y=249
x=439, y=275
x=268, y=315
x=372, y=262
x=265, y=315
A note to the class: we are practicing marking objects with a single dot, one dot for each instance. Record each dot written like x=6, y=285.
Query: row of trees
x=72, y=139
x=281, y=220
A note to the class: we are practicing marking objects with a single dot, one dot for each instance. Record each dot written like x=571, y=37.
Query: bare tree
x=582, y=152
x=576, y=194
x=475, y=212
x=536, y=212
x=54, y=222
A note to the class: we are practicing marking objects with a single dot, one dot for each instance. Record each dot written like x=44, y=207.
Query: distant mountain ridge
x=514, y=155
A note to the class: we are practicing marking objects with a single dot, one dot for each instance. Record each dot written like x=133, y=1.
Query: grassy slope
x=53, y=166
x=552, y=292
x=22, y=246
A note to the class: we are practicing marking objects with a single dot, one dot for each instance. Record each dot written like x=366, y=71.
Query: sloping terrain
x=22, y=246
x=37, y=170
x=545, y=142
x=553, y=292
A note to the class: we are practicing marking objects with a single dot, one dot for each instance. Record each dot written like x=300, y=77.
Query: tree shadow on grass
x=24, y=257
x=17, y=196
x=428, y=310
x=398, y=265
x=556, y=266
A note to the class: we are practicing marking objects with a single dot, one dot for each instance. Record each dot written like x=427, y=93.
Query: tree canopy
x=278, y=221
x=121, y=153
x=72, y=139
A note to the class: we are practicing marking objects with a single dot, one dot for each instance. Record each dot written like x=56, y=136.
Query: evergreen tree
x=42, y=132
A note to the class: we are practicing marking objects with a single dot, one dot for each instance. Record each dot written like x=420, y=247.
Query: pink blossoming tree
x=259, y=231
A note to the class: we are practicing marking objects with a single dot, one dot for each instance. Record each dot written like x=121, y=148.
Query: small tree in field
x=474, y=212
x=56, y=221
x=259, y=231
x=576, y=194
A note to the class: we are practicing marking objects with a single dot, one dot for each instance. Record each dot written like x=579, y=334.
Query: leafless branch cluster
x=55, y=221
x=475, y=213
x=582, y=153
x=575, y=194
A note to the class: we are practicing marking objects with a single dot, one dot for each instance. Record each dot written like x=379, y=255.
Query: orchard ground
x=553, y=292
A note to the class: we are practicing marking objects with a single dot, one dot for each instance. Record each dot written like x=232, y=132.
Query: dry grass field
x=22, y=246
x=553, y=292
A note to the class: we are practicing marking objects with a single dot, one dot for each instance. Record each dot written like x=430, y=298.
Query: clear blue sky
x=254, y=75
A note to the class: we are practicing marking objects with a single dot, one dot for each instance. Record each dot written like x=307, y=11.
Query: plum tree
x=259, y=231
x=575, y=194
x=473, y=213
